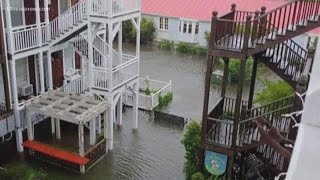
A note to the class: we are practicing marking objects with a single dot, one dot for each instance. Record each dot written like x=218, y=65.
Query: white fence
x=148, y=101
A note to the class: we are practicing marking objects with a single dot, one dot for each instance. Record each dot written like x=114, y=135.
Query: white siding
x=203, y=27
x=2, y=98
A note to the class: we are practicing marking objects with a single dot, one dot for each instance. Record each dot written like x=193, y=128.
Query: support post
x=50, y=79
x=38, y=21
x=253, y=82
x=105, y=129
x=119, y=111
x=30, y=126
x=81, y=145
x=225, y=77
x=58, y=129
x=210, y=64
x=18, y=130
x=46, y=17
x=135, y=105
x=92, y=132
x=110, y=126
x=9, y=27
x=6, y=85
x=110, y=50
x=41, y=69
x=138, y=30
x=99, y=124
x=120, y=43
x=53, y=127
x=90, y=55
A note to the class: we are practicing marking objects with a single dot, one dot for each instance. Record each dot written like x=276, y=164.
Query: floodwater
x=154, y=151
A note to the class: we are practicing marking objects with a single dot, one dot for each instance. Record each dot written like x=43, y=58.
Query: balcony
x=114, y=8
x=106, y=79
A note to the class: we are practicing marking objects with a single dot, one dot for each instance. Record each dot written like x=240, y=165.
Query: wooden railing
x=220, y=125
x=289, y=57
x=96, y=153
x=241, y=30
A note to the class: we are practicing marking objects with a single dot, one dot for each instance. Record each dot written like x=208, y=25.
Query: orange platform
x=56, y=153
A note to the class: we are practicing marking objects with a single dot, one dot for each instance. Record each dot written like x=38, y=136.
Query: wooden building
x=252, y=136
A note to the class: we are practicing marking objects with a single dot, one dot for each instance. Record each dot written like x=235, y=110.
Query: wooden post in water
x=253, y=81
x=210, y=65
x=225, y=77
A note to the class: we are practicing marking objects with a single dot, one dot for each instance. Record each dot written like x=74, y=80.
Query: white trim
x=164, y=23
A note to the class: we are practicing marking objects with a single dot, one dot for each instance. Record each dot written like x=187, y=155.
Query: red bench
x=56, y=153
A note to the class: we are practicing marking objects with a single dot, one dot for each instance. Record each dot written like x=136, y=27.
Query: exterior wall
x=57, y=69
x=173, y=33
x=203, y=28
x=173, y=30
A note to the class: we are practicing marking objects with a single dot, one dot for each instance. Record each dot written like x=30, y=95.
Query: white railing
x=25, y=38
x=114, y=7
x=125, y=72
x=148, y=101
x=77, y=86
x=100, y=78
x=68, y=19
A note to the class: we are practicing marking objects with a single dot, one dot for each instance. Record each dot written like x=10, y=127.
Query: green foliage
x=197, y=176
x=273, y=91
x=183, y=47
x=207, y=37
x=17, y=171
x=32, y=174
x=186, y=48
x=234, y=69
x=166, y=45
x=191, y=141
x=147, y=31
x=199, y=51
x=165, y=100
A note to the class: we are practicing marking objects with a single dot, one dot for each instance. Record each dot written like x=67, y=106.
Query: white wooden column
x=18, y=130
x=119, y=110
x=135, y=105
x=9, y=26
x=38, y=21
x=50, y=79
x=58, y=129
x=98, y=124
x=53, y=127
x=30, y=126
x=120, y=43
x=138, y=37
x=110, y=126
x=93, y=132
x=110, y=50
x=81, y=145
x=46, y=17
x=90, y=55
x=106, y=129
x=41, y=69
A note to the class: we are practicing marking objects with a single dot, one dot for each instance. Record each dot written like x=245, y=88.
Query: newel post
x=247, y=33
x=214, y=24
x=255, y=27
x=263, y=22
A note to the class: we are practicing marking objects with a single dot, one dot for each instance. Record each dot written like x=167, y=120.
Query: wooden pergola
x=71, y=108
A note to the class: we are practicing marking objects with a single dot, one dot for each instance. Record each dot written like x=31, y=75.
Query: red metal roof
x=202, y=9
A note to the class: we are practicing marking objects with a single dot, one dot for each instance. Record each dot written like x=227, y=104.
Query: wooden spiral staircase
x=232, y=127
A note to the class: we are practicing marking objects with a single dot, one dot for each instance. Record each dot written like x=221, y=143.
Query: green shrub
x=147, y=31
x=22, y=171
x=166, y=45
x=273, y=91
x=234, y=69
x=165, y=100
x=197, y=176
x=198, y=50
x=183, y=47
x=191, y=141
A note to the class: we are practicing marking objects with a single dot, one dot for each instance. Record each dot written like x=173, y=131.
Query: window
x=17, y=13
x=197, y=28
x=185, y=27
x=190, y=28
x=164, y=23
